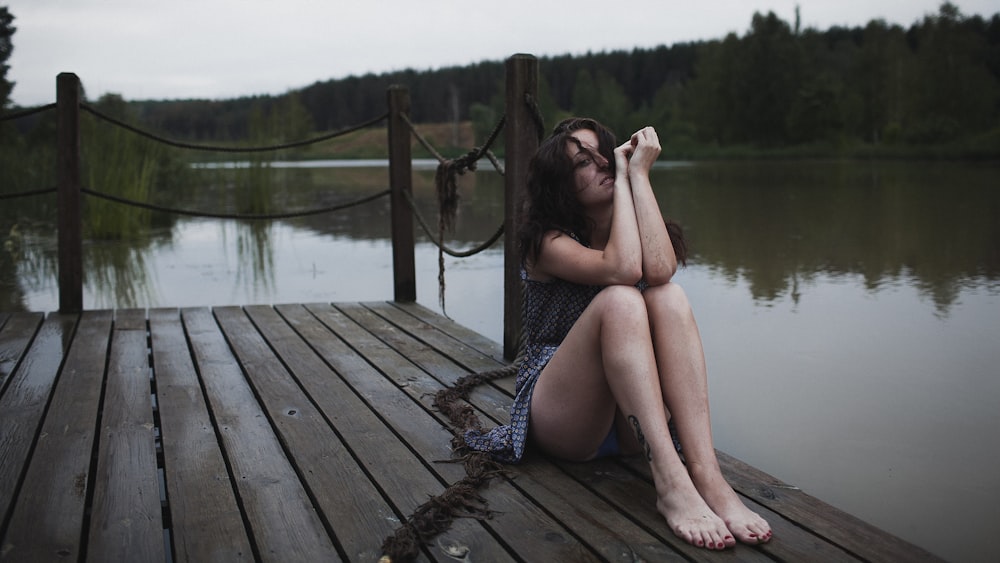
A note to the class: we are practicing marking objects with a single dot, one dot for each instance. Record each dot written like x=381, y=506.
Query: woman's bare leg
x=681, y=365
x=606, y=363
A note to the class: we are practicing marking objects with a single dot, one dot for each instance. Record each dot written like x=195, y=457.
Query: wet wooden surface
x=305, y=433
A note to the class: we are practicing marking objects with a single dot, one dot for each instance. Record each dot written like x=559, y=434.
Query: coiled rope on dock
x=461, y=499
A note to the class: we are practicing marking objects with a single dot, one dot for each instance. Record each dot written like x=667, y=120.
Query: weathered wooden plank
x=615, y=536
x=17, y=332
x=27, y=393
x=637, y=496
x=127, y=523
x=492, y=400
x=791, y=543
x=394, y=386
x=810, y=513
x=406, y=479
x=206, y=524
x=471, y=338
x=348, y=500
x=360, y=379
x=47, y=520
x=468, y=356
x=530, y=532
x=283, y=522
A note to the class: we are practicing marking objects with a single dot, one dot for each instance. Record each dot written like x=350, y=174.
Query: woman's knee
x=621, y=300
x=669, y=297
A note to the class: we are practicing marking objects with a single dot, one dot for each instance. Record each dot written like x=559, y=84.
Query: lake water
x=850, y=310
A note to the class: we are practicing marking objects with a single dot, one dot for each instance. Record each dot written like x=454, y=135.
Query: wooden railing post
x=401, y=185
x=521, y=141
x=70, y=238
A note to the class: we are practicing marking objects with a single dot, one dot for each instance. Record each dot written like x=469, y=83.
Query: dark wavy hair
x=550, y=197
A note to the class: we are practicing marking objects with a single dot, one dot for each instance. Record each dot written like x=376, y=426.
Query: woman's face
x=592, y=174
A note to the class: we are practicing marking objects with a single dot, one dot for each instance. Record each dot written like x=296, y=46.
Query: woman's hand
x=644, y=150
x=622, y=155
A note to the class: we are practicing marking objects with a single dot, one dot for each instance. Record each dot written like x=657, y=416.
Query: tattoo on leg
x=640, y=437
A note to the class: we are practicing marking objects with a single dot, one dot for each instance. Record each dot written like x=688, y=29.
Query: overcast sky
x=145, y=49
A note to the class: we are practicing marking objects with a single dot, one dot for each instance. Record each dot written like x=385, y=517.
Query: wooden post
x=68, y=193
x=401, y=185
x=521, y=141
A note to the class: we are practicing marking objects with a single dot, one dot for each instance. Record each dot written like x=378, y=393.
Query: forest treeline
x=776, y=86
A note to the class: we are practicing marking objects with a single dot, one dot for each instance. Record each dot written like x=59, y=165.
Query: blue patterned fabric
x=549, y=310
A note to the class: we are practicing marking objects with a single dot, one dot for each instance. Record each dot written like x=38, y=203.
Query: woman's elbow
x=628, y=275
x=660, y=275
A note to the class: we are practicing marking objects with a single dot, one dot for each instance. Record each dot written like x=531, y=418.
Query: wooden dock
x=305, y=433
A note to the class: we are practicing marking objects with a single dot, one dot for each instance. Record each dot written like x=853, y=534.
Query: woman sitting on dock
x=613, y=360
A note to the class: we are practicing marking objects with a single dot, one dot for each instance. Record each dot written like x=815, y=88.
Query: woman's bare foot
x=691, y=519
x=745, y=524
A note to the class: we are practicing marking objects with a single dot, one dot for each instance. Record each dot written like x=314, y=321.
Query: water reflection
x=119, y=276
x=779, y=225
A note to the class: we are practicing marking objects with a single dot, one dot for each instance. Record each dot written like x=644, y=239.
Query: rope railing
x=440, y=244
x=220, y=148
x=536, y=115
x=25, y=113
x=471, y=158
x=28, y=193
x=446, y=183
x=520, y=121
x=18, y=115
x=230, y=149
x=261, y=216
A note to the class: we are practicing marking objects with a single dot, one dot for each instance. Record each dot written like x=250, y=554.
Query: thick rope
x=266, y=216
x=449, y=251
x=462, y=498
x=27, y=193
x=26, y=112
x=446, y=182
x=215, y=148
x=536, y=115
x=420, y=138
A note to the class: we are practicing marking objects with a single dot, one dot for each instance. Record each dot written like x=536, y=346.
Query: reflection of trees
x=255, y=256
x=779, y=224
x=480, y=205
x=117, y=276
x=115, y=272
x=12, y=252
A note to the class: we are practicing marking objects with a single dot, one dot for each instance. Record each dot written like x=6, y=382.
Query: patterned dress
x=549, y=310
